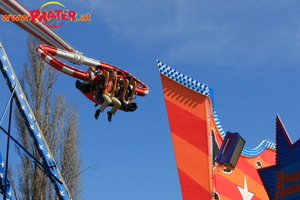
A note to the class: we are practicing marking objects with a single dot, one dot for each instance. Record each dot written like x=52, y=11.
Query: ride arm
x=38, y=29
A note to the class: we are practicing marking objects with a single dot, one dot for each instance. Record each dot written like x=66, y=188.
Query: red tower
x=197, y=135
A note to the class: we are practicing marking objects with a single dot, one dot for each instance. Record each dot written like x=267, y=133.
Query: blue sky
x=248, y=52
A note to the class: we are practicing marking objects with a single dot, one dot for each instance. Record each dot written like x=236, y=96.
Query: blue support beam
x=49, y=164
x=4, y=182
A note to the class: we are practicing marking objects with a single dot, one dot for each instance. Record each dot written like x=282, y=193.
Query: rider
x=106, y=91
x=86, y=86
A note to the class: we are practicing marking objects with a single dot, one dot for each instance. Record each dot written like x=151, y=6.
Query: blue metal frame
x=4, y=181
x=48, y=165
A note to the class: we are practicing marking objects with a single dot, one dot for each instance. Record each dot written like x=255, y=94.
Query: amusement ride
x=55, y=47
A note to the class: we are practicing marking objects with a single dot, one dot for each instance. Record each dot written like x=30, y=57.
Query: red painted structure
x=196, y=138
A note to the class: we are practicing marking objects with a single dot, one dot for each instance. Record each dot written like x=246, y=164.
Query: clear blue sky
x=248, y=52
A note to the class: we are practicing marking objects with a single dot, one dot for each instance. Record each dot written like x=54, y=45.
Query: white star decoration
x=13, y=81
x=245, y=192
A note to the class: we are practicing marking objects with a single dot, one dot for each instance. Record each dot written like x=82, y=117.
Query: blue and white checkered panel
x=246, y=152
x=218, y=123
x=183, y=79
x=259, y=149
x=270, y=144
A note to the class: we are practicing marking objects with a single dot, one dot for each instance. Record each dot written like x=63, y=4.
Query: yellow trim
x=126, y=85
x=52, y=2
x=106, y=78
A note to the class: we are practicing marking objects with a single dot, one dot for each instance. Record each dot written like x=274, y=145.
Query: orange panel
x=187, y=118
x=191, y=122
